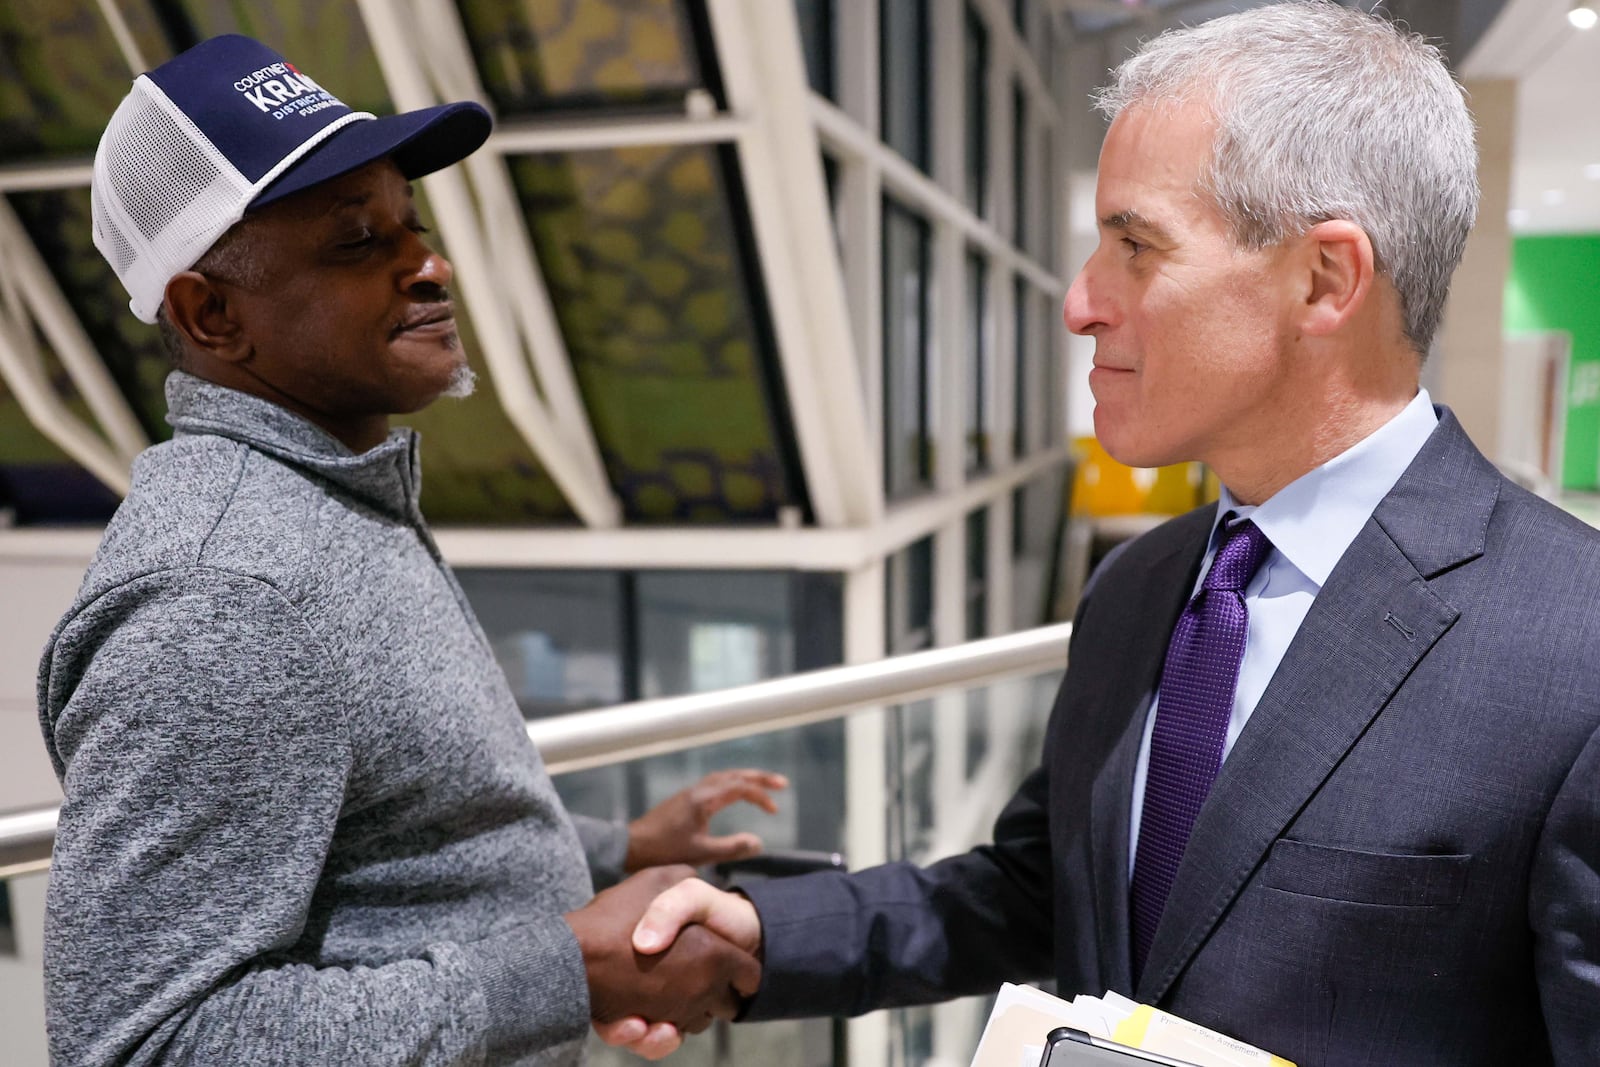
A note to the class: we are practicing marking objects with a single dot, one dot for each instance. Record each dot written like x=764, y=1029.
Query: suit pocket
x=1356, y=877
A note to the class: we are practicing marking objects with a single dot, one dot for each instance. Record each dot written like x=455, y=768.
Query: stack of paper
x=1023, y=1016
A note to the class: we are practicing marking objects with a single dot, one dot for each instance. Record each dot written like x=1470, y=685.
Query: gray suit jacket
x=1400, y=861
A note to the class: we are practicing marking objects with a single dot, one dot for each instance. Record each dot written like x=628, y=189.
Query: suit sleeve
x=1564, y=911
x=844, y=944
x=201, y=732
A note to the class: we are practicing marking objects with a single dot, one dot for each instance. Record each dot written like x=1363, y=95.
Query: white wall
x=34, y=591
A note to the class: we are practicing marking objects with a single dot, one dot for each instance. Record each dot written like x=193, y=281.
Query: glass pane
x=907, y=432
x=908, y=578
x=1038, y=524
x=977, y=706
x=702, y=631
x=1014, y=730
x=1051, y=372
x=476, y=468
x=903, y=79
x=57, y=221
x=539, y=55
x=646, y=254
x=1049, y=201
x=707, y=630
x=1020, y=215
x=978, y=574
x=977, y=118
x=977, y=435
x=816, y=38
x=810, y=817
x=558, y=635
x=1026, y=361
x=61, y=77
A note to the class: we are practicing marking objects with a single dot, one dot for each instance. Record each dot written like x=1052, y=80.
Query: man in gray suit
x=1322, y=773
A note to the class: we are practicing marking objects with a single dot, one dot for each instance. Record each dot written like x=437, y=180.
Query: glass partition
x=664, y=317
x=594, y=54
x=61, y=76
x=938, y=807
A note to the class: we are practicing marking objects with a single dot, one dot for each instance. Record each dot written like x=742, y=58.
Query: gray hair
x=235, y=257
x=1322, y=113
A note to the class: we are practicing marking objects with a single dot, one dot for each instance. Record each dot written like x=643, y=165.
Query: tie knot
x=1244, y=547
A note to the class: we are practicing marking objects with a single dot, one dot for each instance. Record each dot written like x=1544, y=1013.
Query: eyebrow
x=1130, y=219
x=360, y=199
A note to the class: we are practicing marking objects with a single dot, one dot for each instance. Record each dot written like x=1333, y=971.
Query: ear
x=198, y=309
x=1342, y=272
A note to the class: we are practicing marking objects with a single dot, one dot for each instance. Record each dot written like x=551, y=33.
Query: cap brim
x=420, y=142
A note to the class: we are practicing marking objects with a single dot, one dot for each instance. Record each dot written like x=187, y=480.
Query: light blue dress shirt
x=1310, y=522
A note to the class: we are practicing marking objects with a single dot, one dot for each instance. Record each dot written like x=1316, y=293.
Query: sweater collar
x=387, y=477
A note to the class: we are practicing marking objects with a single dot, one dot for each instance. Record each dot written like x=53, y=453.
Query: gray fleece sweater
x=303, y=823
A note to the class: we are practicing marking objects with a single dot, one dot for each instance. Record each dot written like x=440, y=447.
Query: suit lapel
x=1369, y=626
x=1146, y=608
x=1110, y=816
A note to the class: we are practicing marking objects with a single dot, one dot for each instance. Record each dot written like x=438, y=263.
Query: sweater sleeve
x=199, y=728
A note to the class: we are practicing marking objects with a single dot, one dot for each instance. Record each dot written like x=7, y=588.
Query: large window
x=909, y=616
x=816, y=38
x=977, y=592
x=1051, y=372
x=976, y=75
x=571, y=640
x=597, y=54
x=1026, y=359
x=664, y=316
x=908, y=578
x=977, y=405
x=1020, y=216
x=907, y=432
x=1039, y=515
x=977, y=598
x=904, y=88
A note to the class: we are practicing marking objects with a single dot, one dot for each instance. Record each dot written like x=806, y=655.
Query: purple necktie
x=1193, y=706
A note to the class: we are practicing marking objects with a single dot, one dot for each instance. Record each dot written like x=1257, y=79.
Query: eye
x=1134, y=247
x=357, y=239
x=418, y=228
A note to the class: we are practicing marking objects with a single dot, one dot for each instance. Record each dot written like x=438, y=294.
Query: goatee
x=462, y=382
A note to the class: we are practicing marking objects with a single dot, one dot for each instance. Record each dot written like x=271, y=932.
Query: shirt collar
x=1312, y=520
x=388, y=476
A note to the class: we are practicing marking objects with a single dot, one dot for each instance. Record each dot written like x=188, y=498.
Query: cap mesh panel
x=163, y=170
x=163, y=194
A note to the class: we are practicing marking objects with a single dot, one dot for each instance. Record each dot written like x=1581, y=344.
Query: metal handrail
x=650, y=727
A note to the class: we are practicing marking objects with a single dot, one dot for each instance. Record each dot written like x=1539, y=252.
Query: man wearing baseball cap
x=302, y=820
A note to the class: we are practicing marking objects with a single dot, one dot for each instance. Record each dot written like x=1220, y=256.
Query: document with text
x=1023, y=1017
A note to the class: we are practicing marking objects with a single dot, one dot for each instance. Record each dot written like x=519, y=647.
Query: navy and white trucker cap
x=227, y=126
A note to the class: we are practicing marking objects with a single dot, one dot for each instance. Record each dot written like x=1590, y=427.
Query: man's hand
x=699, y=976
x=676, y=830
x=689, y=903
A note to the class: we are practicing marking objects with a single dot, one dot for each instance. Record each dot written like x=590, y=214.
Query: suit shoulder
x=1138, y=554
x=1542, y=538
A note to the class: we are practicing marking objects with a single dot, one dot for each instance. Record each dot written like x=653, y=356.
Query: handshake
x=665, y=953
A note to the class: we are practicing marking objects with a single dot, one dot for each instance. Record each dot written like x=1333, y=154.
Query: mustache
x=424, y=315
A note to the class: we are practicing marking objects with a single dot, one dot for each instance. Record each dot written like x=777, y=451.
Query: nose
x=429, y=269
x=1082, y=311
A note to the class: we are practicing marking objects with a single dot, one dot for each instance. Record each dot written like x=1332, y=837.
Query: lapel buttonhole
x=1394, y=620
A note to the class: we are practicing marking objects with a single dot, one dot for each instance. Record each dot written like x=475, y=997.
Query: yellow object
x=1153, y=1030
x=1102, y=486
